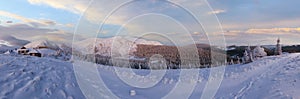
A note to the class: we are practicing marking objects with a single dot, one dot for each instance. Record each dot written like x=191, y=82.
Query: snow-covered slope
x=50, y=45
x=270, y=77
x=105, y=46
x=42, y=43
x=51, y=49
x=9, y=43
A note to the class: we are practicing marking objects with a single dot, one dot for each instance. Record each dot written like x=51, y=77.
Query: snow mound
x=32, y=77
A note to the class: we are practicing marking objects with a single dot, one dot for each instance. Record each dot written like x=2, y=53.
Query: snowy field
x=35, y=78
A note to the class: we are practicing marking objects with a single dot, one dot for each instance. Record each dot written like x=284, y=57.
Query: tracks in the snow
x=271, y=66
x=11, y=61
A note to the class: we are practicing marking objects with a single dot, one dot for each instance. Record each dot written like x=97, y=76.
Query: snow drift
x=31, y=77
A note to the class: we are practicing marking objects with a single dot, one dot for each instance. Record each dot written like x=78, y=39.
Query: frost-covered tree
x=246, y=58
x=258, y=52
x=248, y=55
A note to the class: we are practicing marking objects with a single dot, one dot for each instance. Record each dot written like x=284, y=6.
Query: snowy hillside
x=9, y=42
x=49, y=44
x=51, y=49
x=42, y=43
x=104, y=46
x=31, y=77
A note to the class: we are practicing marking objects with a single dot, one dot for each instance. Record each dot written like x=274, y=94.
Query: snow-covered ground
x=26, y=77
x=31, y=77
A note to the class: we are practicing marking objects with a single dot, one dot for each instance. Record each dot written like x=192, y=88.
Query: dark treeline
x=291, y=49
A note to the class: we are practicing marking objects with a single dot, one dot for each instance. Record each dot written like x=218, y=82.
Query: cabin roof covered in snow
x=22, y=49
x=33, y=51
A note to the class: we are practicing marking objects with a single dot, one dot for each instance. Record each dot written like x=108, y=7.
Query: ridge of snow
x=11, y=41
x=42, y=43
x=115, y=45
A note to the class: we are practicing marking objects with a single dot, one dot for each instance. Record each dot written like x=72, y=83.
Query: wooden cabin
x=35, y=53
x=23, y=50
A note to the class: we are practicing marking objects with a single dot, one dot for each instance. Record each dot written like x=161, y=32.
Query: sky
x=239, y=22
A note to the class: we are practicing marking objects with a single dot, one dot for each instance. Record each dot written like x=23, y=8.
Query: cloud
x=93, y=12
x=26, y=32
x=98, y=10
x=232, y=32
x=23, y=31
x=29, y=21
x=263, y=31
x=75, y=6
x=33, y=29
x=69, y=25
x=262, y=36
x=236, y=17
x=270, y=24
x=218, y=11
x=48, y=22
x=189, y=2
x=15, y=16
x=274, y=30
x=265, y=14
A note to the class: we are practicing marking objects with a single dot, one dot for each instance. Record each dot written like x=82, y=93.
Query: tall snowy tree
x=246, y=58
x=248, y=55
x=278, y=50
